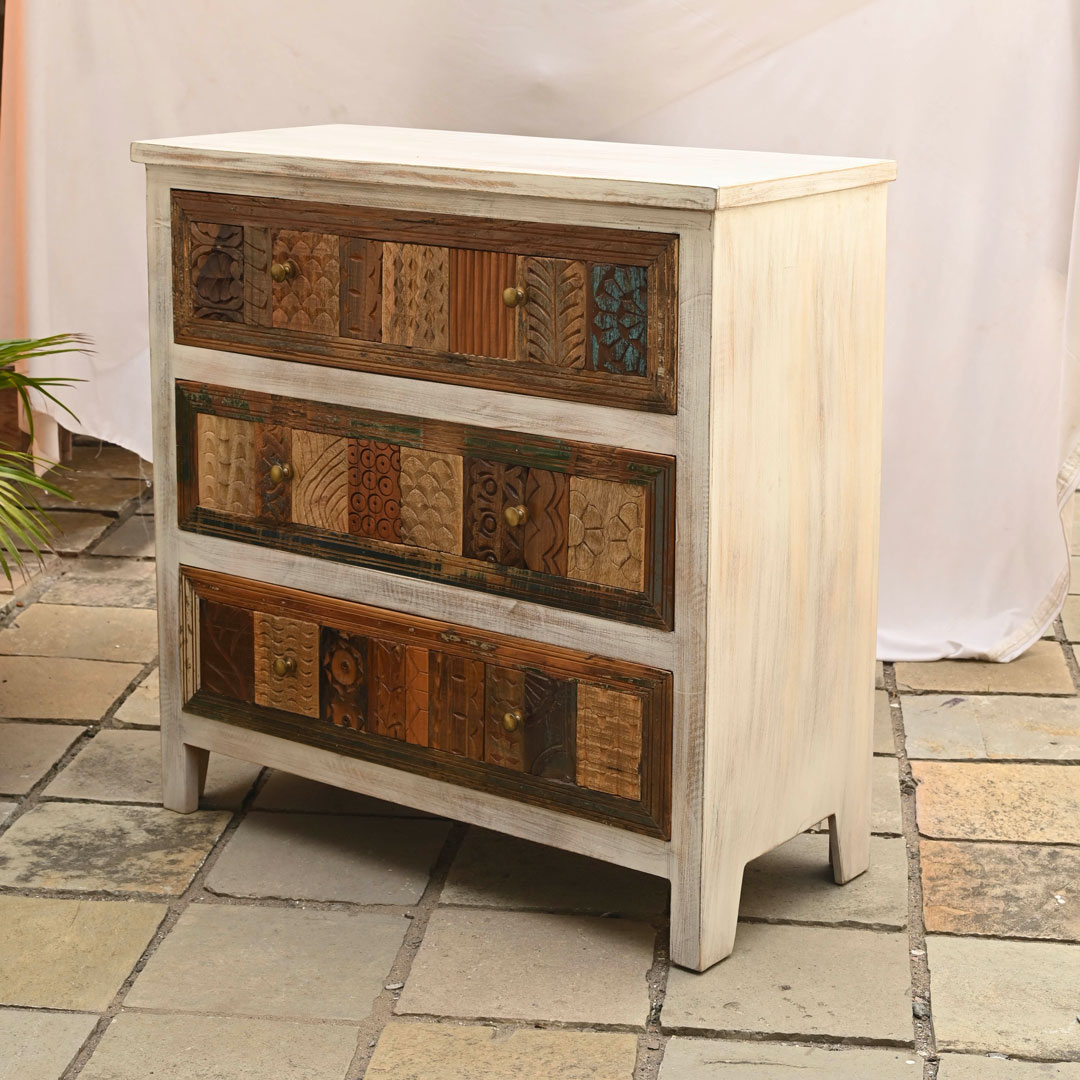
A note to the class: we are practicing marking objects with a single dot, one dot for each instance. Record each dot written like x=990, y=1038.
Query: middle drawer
x=574, y=525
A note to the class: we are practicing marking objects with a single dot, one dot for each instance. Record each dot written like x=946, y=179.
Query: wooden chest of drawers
x=528, y=482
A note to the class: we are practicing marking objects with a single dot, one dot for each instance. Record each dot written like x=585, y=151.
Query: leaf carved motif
x=552, y=319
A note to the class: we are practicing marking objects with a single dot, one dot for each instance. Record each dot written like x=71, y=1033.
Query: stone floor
x=295, y=932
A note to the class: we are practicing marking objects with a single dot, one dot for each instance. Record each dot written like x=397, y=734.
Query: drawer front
x=583, y=314
x=583, y=527
x=545, y=725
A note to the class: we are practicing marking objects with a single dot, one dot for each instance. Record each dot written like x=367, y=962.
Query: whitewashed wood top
x=671, y=176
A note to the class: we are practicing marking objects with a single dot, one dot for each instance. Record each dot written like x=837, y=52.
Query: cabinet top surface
x=631, y=174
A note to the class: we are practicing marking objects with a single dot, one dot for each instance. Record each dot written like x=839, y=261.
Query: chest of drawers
x=531, y=483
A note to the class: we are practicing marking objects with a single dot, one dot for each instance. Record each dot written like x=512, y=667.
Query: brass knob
x=284, y=665
x=280, y=472
x=513, y=295
x=516, y=515
x=285, y=271
x=512, y=719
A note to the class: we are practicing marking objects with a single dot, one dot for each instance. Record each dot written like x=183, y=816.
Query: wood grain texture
x=432, y=500
x=416, y=295
x=547, y=498
x=619, y=319
x=257, y=283
x=320, y=488
x=490, y=487
x=343, y=680
x=273, y=446
x=551, y=322
x=226, y=650
x=374, y=478
x=311, y=301
x=217, y=271
x=607, y=532
x=361, y=293
x=550, y=721
x=226, y=465
x=297, y=639
x=417, y=695
x=386, y=689
x=480, y=323
x=609, y=741
x=187, y=645
x=457, y=705
x=504, y=692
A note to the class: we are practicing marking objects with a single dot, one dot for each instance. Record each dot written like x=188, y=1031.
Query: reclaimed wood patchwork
x=551, y=327
x=416, y=295
x=361, y=288
x=504, y=717
x=480, y=323
x=226, y=464
x=216, y=262
x=295, y=642
x=258, y=307
x=618, y=331
x=490, y=487
x=273, y=446
x=386, y=689
x=374, y=480
x=417, y=695
x=547, y=500
x=226, y=650
x=606, y=532
x=320, y=488
x=310, y=301
x=432, y=499
x=550, y=719
x=457, y=712
x=608, y=749
x=343, y=682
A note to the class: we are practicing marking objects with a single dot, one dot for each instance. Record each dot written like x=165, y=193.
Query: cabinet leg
x=183, y=774
x=704, y=919
x=849, y=844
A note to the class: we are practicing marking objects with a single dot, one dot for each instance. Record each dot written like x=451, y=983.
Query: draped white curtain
x=977, y=99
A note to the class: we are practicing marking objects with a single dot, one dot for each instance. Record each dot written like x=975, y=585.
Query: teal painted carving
x=620, y=318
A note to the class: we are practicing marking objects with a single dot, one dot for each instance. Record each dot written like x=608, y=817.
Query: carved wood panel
x=343, y=683
x=320, y=487
x=273, y=446
x=504, y=693
x=551, y=326
x=416, y=295
x=217, y=272
x=480, y=323
x=432, y=497
x=490, y=487
x=257, y=291
x=226, y=650
x=281, y=638
x=618, y=339
x=457, y=705
x=547, y=498
x=609, y=741
x=361, y=297
x=549, y=740
x=226, y=465
x=386, y=689
x=375, y=490
x=310, y=301
x=417, y=695
x=607, y=532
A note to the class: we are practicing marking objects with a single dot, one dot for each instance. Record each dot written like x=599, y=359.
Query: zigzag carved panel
x=320, y=488
x=343, y=679
x=547, y=497
x=280, y=638
x=431, y=500
x=609, y=725
x=490, y=487
x=551, y=327
x=374, y=490
x=226, y=465
x=607, y=532
x=416, y=295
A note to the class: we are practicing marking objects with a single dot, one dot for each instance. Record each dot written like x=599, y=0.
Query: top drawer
x=583, y=314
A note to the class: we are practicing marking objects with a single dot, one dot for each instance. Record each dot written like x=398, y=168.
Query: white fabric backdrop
x=977, y=100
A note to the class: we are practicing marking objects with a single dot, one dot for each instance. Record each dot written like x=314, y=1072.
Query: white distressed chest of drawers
x=529, y=482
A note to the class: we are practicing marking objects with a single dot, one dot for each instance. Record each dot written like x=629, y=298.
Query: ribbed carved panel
x=273, y=446
x=457, y=706
x=374, y=490
x=551, y=330
x=320, y=488
x=607, y=533
x=431, y=500
x=257, y=282
x=343, y=679
x=217, y=271
x=550, y=712
x=504, y=693
x=417, y=695
x=226, y=650
x=416, y=296
x=386, y=689
x=609, y=741
x=361, y=297
x=620, y=317
x=226, y=465
x=480, y=323
x=279, y=638
x=310, y=301
x=490, y=487
x=547, y=497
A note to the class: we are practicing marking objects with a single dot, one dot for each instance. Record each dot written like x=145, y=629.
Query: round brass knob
x=285, y=271
x=280, y=472
x=516, y=515
x=513, y=295
x=512, y=719
x=284, y=665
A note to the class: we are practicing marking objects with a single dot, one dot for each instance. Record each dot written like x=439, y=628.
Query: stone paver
x=1070, y=618
x=143, y=705
x=107, y=460
x=85, y=633
x=493, y=870
x=94, y=847
x=471, y=1052
x=1074, y=576
x=29, y=751
x=1002, y=890
x=138, y=1046
x=1007, y=997
x=31, y=569
x=879, y=676
x=70, y=954
x=885, y=816
x=125, y=766
x=133, y=539
x=1041, y=670
x=6, y=809
x=531, y=966
x=40, y=1045
x=102, y=592
x=51, y=688
x=710, y=1059
x=90, y=492
x=883, y=736
x=75, y=530
x=950, y=726
x=283, y=791
x=799, y=980
x=284, y=962
x=364, y=860
x=981, y=1067
x=972, y=801
x=794, y=883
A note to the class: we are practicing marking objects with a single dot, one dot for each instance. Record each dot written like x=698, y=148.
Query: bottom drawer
x=559, y=728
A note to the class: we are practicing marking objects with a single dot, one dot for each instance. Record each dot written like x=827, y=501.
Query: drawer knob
x=278, y=473
x=513, y=295
x=284, y=665
x=512, y=719
x=285, y=271
x=516, y=515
